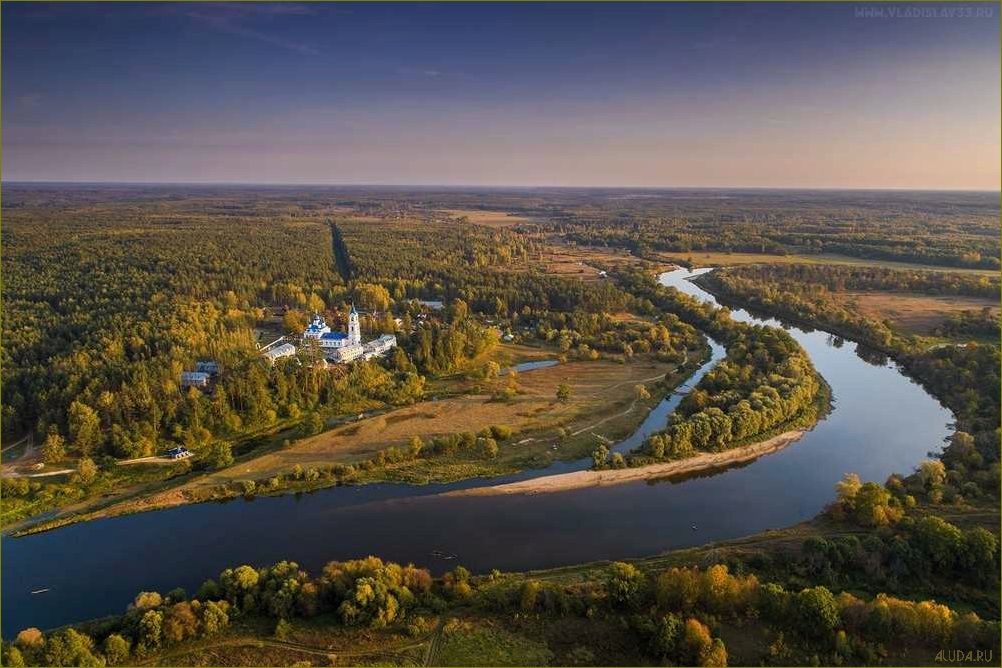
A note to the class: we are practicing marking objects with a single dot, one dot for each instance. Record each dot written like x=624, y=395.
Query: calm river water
x=882, y=423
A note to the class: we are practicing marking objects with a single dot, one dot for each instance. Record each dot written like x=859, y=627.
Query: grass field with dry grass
x=912, y=312
x=602, y=396
x=602, y=408
x=487, y=218
x=581, y=262
x=318, y=641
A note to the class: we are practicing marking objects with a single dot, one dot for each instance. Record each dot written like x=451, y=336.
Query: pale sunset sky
x=564, y=94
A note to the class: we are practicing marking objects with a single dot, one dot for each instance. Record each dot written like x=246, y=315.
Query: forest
x=105, y=308
x=923, y=228
x=620, y=612
x=108, y=301
x=932, y=228
x=111, y=293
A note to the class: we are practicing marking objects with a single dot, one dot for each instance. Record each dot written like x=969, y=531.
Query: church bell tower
x=354, y=331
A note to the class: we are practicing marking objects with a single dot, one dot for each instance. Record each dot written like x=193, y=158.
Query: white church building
x=346, y=347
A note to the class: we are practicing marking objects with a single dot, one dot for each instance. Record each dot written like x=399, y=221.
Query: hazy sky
x=506, y=94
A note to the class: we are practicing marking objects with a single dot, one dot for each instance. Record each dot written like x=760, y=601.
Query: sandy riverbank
x=579, y=479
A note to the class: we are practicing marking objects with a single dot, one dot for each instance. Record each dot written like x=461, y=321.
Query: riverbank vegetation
x=964, y=376
x=530, y=430
x=620, y=613
x=765, y=384
x=906, y=522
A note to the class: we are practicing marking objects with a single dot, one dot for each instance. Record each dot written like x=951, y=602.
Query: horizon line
x=491, y=186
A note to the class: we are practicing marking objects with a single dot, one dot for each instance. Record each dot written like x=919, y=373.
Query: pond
x=882, y=423
x=528, y=366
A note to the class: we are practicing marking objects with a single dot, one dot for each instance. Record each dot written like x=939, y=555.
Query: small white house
x=194, y=379
x=278, y=352
x=379, y=346
x=347, y=353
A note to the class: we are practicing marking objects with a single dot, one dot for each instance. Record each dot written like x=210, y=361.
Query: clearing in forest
x=913, y=312
x=487, y=218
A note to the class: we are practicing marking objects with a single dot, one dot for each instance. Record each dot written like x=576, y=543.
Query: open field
x=912, y=312
x=316, y=641
x=581, y=262
x=488, y=218
x=602, y=408
x=600, y=390
x=723, y=259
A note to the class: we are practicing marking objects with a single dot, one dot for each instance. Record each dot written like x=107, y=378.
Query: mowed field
x=915, y=313
x=602, y=403
x=488, y=218
x=721, y=259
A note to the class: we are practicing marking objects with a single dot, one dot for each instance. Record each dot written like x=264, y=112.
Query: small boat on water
x=40, y=591
x=443, y=555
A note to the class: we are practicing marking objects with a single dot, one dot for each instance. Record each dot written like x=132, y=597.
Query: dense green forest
x=109, y=296
x=444, y=261
x=102, y=317
x=107, y=303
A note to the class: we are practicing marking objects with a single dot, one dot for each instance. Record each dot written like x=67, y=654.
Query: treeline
x=673, y=616
x=246, y=398
x=761, y=385
x=902, y=550
x=811, y=278
x=439, y=348
x=917, y=228
x=969, y=323
x=919, y=551
x=365, y=592
x=482, y=445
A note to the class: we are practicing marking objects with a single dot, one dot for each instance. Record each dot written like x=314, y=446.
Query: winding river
x=882, y=423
